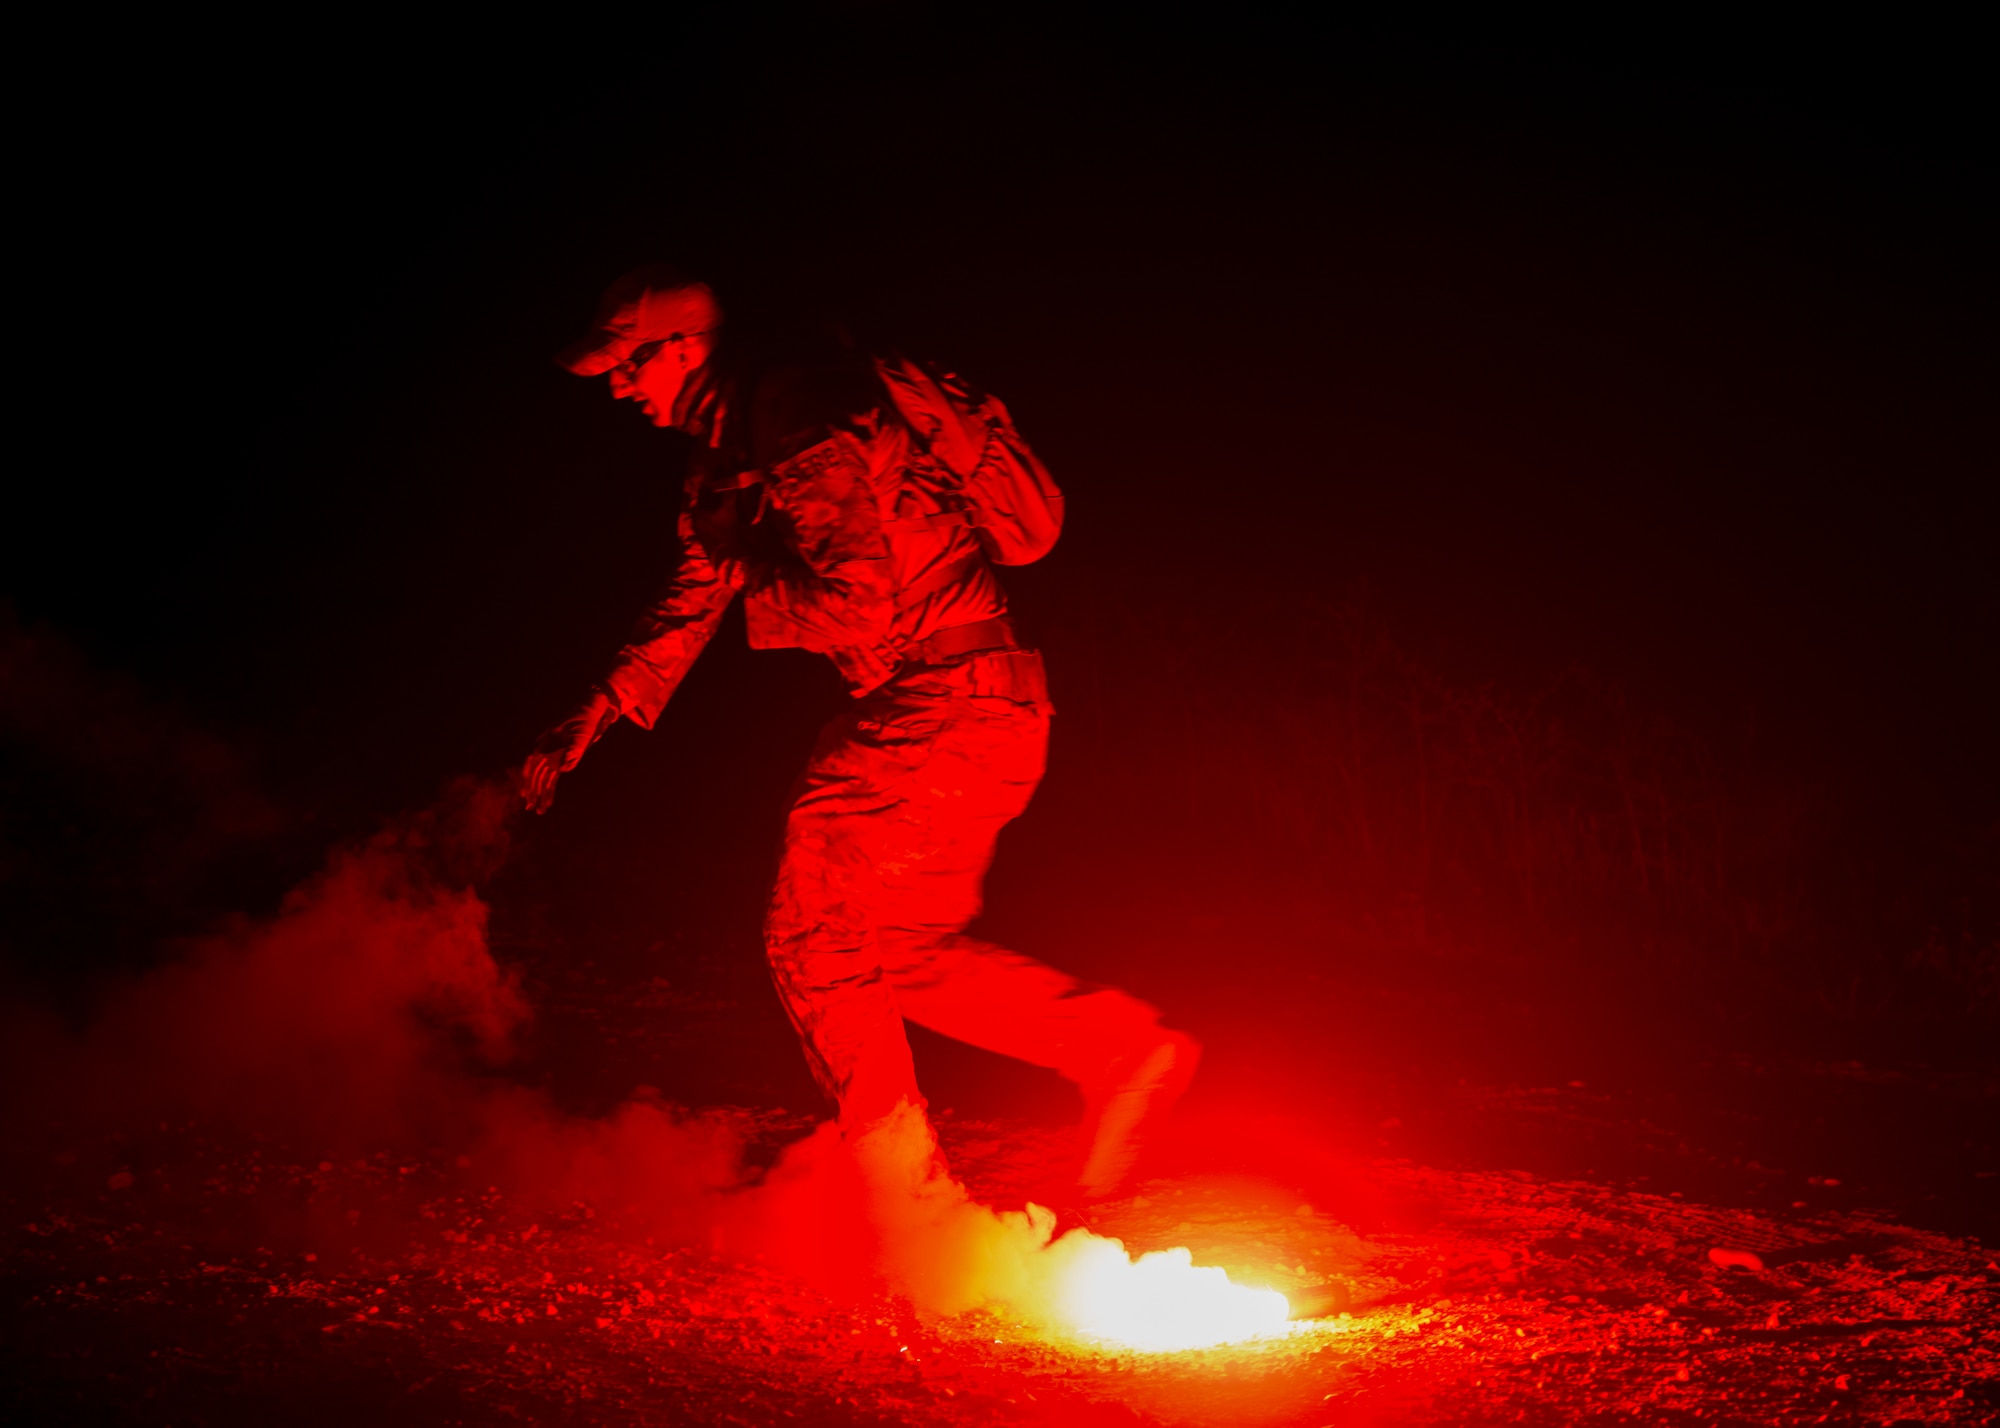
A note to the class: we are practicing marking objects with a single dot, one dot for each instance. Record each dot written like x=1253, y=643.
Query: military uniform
x=817, y=492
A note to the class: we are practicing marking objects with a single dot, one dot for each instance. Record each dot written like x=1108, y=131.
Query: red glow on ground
x=509, y=1261
x=1526, y=1301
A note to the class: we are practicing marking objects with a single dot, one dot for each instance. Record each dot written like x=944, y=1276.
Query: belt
x=975, y=638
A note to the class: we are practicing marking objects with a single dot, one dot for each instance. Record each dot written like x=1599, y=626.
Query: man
x=859, y=506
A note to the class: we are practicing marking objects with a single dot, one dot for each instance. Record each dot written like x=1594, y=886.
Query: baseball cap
x=648, y=304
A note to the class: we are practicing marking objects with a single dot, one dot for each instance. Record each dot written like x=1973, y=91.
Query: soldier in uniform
x=859, y=505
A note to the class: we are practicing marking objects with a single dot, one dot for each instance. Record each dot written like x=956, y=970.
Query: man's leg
x=983, y=768
x=922, y=1227
x=821, y=930
x=1002, y=1001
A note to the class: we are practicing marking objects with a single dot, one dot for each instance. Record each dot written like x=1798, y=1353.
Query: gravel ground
x=184, y=1281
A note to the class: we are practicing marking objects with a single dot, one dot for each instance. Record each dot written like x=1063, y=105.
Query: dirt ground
x=184, y=1279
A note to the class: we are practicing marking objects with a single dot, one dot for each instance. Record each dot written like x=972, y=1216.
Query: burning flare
x=950, y=1253
x=1160, y=1301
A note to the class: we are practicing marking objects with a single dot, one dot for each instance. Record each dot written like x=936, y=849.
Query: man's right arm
x=672, y=632
x=646, y=672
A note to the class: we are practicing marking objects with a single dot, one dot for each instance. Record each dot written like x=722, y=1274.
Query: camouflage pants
x=888, y=841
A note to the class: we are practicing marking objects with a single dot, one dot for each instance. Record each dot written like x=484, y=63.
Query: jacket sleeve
x=673, y=630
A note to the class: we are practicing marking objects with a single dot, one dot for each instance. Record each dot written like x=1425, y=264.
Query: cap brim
x=594, y=355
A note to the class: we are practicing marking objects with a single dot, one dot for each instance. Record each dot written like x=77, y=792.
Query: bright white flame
x=1161, y=1300
x=949, y=1254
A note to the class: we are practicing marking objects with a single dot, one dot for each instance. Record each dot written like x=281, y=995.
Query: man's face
x=656, y=372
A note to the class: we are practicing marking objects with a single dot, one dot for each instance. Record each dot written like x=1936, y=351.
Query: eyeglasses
x=647, y=351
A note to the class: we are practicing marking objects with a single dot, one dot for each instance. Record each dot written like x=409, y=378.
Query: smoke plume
x=369, y=1012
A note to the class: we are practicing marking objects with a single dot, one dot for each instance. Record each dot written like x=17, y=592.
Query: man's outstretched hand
x=561, y=749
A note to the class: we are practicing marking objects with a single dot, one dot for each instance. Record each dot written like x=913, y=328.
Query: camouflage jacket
x=817, y=502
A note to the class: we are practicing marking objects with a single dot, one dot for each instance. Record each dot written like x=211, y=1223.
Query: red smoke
x=369, y=1014
x=347, y=1021
x=368, y=1018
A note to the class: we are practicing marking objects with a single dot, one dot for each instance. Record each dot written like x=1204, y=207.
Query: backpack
x=1012, y=504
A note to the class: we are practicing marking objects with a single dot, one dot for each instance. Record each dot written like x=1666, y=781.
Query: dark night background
x=1530, y=600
